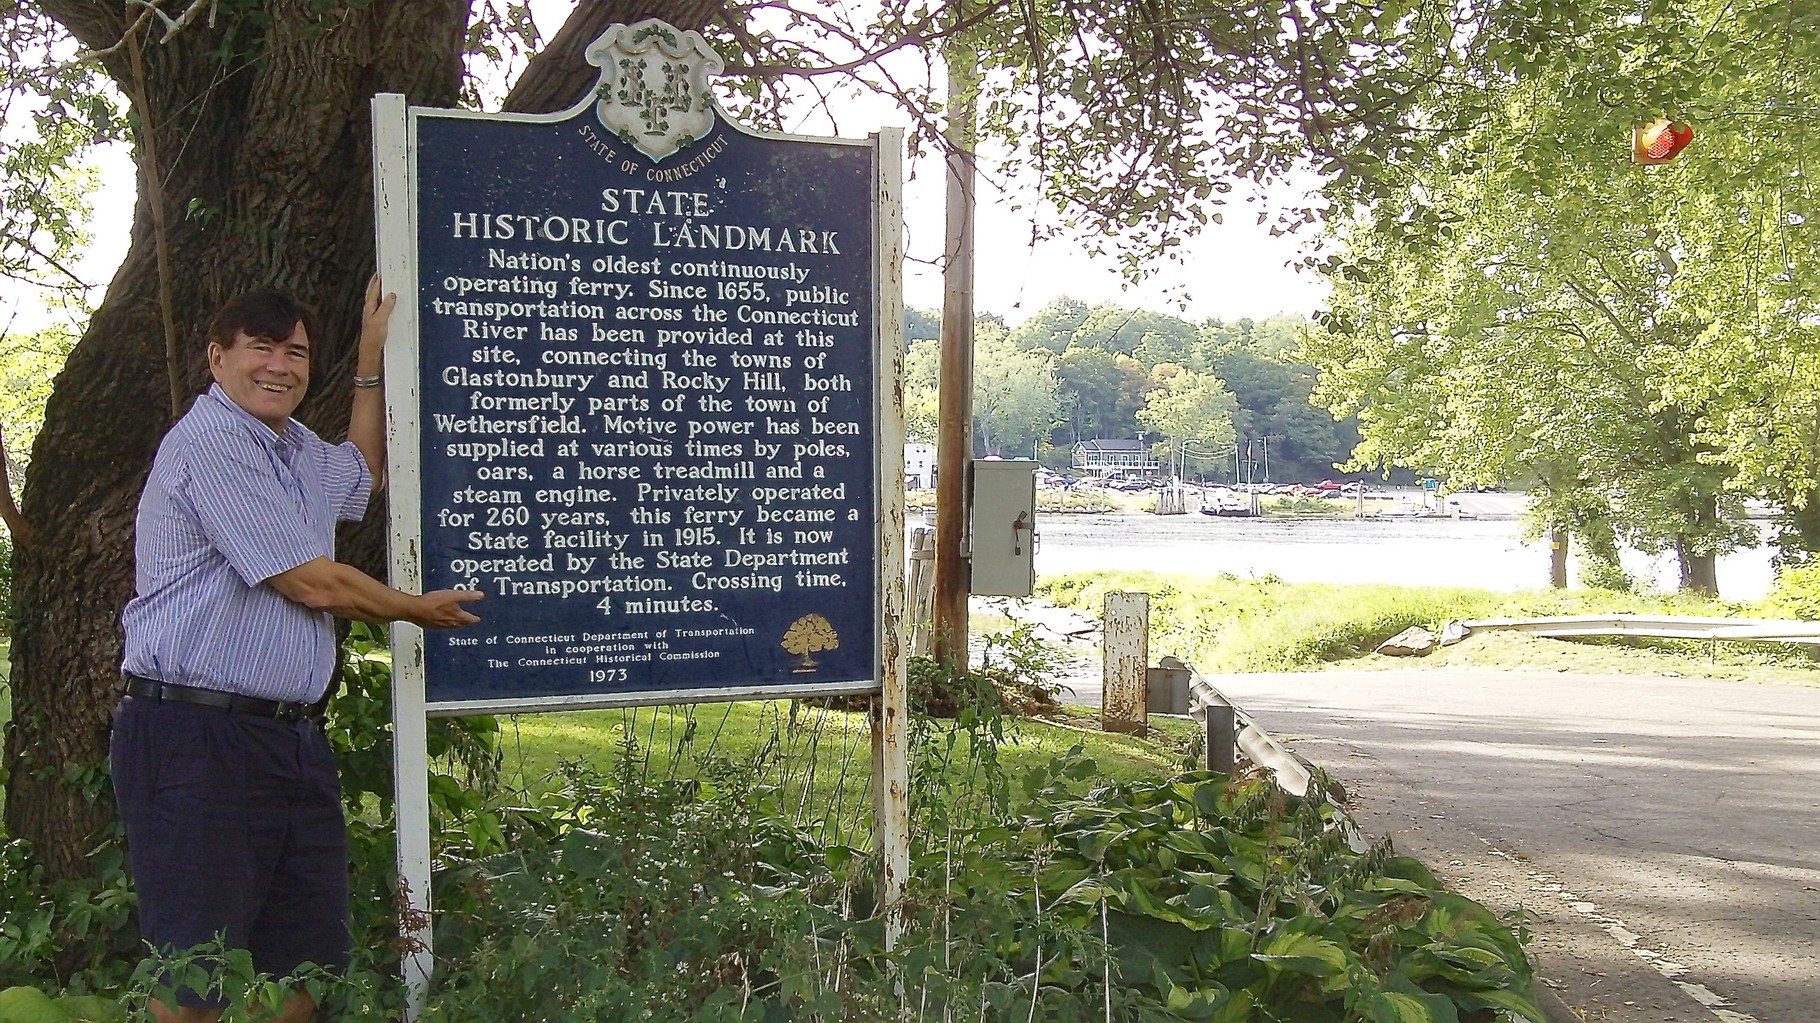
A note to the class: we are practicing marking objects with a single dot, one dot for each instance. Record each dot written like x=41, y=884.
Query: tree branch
x=9, y=510
x=1598, y=305
x=148, y=170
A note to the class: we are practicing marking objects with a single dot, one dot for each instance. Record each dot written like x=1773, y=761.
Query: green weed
x=716, y=863
x=1231, y=624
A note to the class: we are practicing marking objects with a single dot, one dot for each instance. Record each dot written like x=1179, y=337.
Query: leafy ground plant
x=713, y=884
x=1199, y=897
x=1225, y=899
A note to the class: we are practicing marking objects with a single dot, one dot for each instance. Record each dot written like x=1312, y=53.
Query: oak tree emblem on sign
x=810, y=634
x=653, y=90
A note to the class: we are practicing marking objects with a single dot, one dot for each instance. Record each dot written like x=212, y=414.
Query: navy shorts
x=234, y=829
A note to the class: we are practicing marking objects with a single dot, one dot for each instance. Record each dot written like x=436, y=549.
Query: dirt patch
x=1728, y=661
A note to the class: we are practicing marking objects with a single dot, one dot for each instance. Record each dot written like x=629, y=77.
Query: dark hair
x=266, y=314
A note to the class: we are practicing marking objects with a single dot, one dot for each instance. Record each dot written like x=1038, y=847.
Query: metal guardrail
x=1230, y=730
x=1765, y=630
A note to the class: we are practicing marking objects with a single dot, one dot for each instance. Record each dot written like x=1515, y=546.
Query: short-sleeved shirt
x=229, y=504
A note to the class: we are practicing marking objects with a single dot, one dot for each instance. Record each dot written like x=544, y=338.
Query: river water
x=1488, y=554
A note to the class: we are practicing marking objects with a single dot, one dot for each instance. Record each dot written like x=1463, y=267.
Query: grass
x=1228, y=624
x=820, y=759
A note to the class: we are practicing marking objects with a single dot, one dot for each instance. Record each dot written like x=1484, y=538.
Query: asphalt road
x=1660, y=832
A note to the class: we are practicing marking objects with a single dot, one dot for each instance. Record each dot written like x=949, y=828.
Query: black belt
x=232, y=703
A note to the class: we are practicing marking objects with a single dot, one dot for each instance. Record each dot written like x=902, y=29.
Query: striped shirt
x=230, y=504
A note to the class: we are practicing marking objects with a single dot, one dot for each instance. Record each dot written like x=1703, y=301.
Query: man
x=229, y=793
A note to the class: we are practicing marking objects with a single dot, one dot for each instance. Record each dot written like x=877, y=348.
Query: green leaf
x=1225, y=945
x=1303, y=953
x=1196, y=845
x=1396, y=1007
x=92, y=1009
x=1207, y=794
x=1501, y=998
x=1135, y=887
x=1144, y=944
x=589, y=854
x=1197, y=1002
x=1095, y=844
x=1396, y=884
x=1440, y=1008
x=1089, y=891
x=29, y=1005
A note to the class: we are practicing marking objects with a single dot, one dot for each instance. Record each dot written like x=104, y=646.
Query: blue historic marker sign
x=647, y=398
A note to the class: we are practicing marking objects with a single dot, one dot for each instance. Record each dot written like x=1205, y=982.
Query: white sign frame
x=394, y=177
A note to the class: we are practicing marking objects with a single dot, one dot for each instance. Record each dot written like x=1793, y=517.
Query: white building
x=1113, y=458
x=919, y=466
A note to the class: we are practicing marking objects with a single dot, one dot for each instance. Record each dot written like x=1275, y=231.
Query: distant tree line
x=1201, y=395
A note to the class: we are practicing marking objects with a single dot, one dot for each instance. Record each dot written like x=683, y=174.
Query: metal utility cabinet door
x=1004, y=527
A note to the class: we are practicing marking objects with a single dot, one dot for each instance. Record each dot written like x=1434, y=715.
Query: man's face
x=265, y=377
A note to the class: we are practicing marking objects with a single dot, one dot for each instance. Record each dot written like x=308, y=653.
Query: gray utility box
x=1003, y=527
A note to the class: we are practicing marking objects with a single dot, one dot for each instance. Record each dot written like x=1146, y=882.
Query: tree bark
x=1699, y=568
x=1699, y=572
x=267, y=182
x=1558, y=540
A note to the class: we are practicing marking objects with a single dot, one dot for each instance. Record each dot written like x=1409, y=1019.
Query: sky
x=1228, y=271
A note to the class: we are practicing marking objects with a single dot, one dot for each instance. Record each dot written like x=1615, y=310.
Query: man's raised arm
x=366, y=422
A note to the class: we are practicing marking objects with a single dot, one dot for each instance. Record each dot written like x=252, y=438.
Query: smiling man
x=229, y=793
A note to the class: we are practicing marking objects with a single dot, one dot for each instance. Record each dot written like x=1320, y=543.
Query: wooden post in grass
x=1125, y=639
x=921, y=588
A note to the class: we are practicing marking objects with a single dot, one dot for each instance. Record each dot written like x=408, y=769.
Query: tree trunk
x=1699, y=572
x=1558, y=540
x=1699, y=568
x=266, y=180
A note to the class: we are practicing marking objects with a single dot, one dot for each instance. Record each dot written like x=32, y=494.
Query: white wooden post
x=890, y=709
x=1125, y=640
x=394, y=225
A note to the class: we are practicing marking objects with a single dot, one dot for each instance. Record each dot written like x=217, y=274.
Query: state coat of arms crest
x=653, y=90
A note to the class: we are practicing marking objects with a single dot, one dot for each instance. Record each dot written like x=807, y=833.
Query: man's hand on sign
x=442, y=609
x=375, y=318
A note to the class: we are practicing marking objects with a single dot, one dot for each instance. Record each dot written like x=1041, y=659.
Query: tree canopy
x=1524, y=302
x=1190, y=410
